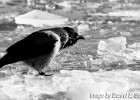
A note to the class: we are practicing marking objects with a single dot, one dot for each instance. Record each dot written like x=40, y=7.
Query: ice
x=75, y=85
x=39, y=18
x=115, y=44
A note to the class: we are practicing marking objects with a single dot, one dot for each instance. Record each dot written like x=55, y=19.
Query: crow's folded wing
x=36, y=44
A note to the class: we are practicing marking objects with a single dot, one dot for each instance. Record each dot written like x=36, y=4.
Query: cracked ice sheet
x=72, y=85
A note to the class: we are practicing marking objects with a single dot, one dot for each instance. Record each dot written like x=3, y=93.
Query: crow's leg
x=43, y=74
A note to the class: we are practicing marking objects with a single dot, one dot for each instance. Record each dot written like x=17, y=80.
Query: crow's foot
x=43, y=74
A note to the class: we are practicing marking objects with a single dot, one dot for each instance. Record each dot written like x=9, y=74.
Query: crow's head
x=73, y=36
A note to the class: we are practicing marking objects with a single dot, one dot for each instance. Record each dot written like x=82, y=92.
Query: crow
x=39, y=48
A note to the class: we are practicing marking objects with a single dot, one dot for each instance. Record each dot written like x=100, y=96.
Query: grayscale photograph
x=69, y=49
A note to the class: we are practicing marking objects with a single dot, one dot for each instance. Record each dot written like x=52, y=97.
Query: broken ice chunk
x=115, y=44
x=39, y=18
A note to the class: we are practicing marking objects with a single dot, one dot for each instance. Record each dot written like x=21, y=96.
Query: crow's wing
x=37, y=44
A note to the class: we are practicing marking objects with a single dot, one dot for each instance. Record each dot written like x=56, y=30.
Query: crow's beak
x=80, y=37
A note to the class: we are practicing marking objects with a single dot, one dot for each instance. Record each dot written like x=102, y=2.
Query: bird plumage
x=39, y=48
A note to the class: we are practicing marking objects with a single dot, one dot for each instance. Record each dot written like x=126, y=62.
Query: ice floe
x=73, y=85
x=39, y=18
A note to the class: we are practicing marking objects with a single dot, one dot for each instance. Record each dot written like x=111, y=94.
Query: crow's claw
x=43, y=74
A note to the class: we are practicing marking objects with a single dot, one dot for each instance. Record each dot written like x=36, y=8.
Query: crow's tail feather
x=7, y=59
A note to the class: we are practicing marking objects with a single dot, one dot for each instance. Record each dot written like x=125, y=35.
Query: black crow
x=39, y=48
